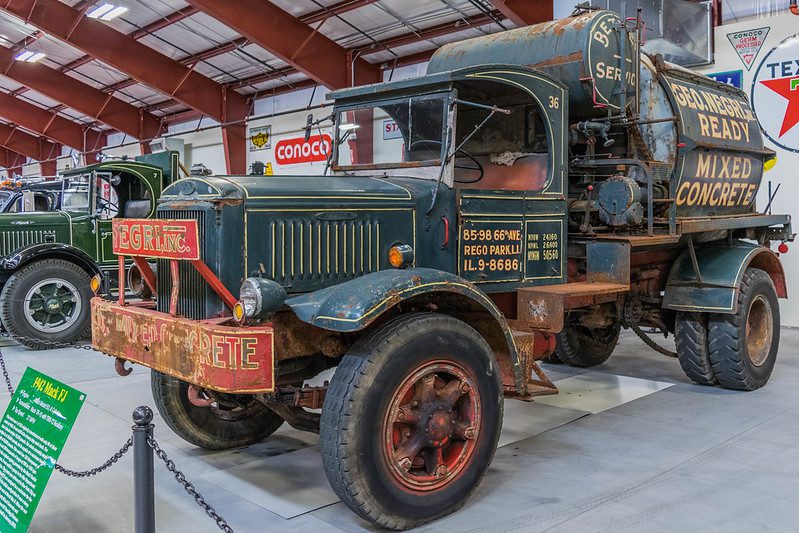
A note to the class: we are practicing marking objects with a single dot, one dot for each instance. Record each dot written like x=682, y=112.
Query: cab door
x=511, y=238
x=105, y=208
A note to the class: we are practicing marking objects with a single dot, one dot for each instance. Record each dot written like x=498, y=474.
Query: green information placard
x=33, y=431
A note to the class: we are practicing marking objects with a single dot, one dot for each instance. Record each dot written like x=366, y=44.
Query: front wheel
x=45, y=303
x=231, y=422
x=411, y=420
x=743, y=346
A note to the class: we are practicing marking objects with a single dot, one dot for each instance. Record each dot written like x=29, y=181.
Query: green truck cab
x=537, y=200
x=54, y=242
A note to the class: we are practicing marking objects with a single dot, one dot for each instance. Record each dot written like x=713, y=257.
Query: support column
x=49, y=168
x=234, y=140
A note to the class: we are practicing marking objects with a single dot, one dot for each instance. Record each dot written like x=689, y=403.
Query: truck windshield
x=402, y=133
x=76, y=193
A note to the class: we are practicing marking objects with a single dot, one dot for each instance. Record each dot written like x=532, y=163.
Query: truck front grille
x=306, y=250
x=11, y=240
x=193, y=292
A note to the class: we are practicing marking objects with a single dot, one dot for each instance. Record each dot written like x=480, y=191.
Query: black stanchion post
x=143, y=482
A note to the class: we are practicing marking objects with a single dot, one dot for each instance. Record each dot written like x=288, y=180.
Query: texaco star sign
x=775, y=94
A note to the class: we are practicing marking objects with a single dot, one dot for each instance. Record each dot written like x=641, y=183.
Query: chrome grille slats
x=11, y=240
x=303, y=250
x=193, y=292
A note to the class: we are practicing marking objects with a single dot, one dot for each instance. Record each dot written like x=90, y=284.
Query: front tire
x=47, y=302
x=583, y=347
x=743, y=346
x=236, y=421
x=411, y=420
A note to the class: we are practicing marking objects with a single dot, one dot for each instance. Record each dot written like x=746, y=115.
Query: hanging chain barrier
x=142, y=464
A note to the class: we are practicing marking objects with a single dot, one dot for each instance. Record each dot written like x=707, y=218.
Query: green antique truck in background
x=48, y=256
x=552, y=185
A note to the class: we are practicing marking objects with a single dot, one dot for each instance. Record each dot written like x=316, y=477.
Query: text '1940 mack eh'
x=551, y=185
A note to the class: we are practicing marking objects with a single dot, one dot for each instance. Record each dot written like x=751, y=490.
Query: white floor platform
x=628, y=446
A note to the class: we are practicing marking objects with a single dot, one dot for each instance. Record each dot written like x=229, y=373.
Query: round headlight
x=250, y=297
x=259, y=297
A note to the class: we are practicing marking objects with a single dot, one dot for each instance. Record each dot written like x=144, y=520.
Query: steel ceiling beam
x=26, y=144
x=11, y=161
x=334, y=9
x=49, y=124
x=143, y=64
x=293, y=41
x=125, y=54
x=525, y=12
x=432, y=32
x=80, y=96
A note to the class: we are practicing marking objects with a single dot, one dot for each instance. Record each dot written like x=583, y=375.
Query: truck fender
x=353, y=305
x=23, y=256
x=722, y=268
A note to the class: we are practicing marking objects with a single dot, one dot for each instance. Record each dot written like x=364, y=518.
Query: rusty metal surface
x=209, y=354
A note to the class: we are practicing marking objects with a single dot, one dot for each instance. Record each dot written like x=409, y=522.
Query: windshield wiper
x=493, y=110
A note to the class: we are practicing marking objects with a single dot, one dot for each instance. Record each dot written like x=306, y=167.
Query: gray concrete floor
x=684, y=458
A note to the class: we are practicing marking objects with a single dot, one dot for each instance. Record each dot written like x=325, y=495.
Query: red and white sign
x=747, y=44
x=775, y=94
x=168, y=239
x=294, y=151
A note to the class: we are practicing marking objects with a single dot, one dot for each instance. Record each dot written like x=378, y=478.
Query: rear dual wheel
x=411, y=420
x=737, y=351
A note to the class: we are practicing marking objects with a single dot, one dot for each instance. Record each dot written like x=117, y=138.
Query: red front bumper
x=210, y=354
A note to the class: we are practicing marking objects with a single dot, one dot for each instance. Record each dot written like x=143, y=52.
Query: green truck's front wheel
x=231, y=421
x=411, y=420
x=46, y=303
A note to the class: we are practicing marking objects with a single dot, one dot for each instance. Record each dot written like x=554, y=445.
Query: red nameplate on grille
x=168, y=239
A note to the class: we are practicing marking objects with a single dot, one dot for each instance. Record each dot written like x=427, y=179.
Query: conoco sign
x=294, y=151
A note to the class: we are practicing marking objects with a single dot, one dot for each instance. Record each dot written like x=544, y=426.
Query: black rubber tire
x=690, y=336
x=583, y=347
x=201, y=426
x=18, y=285
x=359, y=395
x=552, y=359
x=727, y=336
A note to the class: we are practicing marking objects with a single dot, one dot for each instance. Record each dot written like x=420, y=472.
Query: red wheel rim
x=431, y=426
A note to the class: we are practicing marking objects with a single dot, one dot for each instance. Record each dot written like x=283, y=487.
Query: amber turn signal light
x=238, y=312
x=95, y=283
x=400, y=255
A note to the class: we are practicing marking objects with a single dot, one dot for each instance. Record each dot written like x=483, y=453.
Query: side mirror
x=28, y=202
x=308, y=126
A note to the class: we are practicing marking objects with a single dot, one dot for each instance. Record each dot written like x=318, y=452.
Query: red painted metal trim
x=147, y=274
x=121, y=279
x=214, y=282
x=173, y=298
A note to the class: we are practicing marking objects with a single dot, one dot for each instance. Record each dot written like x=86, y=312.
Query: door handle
x=446, y=231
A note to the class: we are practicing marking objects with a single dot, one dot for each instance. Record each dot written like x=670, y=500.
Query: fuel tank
x=584, y=52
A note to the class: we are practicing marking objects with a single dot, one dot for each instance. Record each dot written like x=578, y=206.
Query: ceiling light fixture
x=30, y=57
x=106, y=11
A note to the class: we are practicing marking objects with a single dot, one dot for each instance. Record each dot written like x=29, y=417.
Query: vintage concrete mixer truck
x=549, y=186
